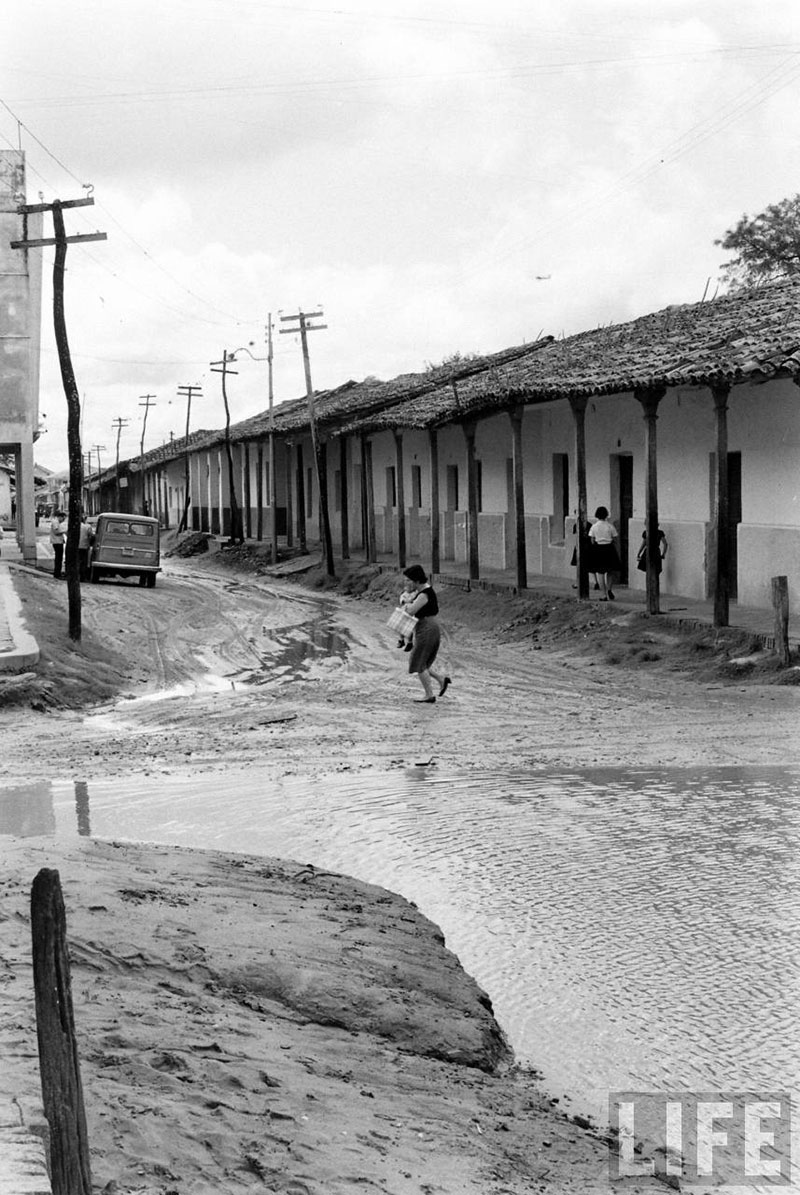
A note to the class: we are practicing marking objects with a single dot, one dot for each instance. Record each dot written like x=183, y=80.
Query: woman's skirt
x=604, y=558
x=427, y=636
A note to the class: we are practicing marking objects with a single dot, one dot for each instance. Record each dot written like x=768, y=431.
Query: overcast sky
x=437, y=176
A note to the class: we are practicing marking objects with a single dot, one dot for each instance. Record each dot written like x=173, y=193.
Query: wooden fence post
x=62, y=1094
x=780, y=604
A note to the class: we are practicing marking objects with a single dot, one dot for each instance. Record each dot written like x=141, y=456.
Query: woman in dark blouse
x=427, y=635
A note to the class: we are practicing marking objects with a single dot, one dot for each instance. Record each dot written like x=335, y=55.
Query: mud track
x=227, y=670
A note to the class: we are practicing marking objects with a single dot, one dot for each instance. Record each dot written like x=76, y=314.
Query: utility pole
x=75, y=453
x=273, y=487
x=147, y=404
x=188, y=393
x=321, y=474
x=87, y=480
x=118, y=424
x=224, y=367
x=98, y=448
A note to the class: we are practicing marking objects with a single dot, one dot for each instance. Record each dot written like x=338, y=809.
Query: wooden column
x=362, y=444
x=208, y=491
x=344, y=494
x=401, y=500
x=248, y=505
x=301, y=499
x=260, y=491
x=289, y=497
x=369, y=501
x=433, y=453
x=472, y=502
x=649, y=399
x=521, y=552
x=578, y=406
x=62, y=1094
x=720, y=395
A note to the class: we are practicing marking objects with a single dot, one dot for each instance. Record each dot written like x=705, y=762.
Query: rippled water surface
x=635, y=929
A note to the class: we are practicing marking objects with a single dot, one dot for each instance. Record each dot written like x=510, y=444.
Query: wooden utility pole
x=187, y=392
x=74, y=451
x=62, y=1094
x=324, y=521
x=224, y=367
x=273, y=485
x=118, y=423
x=98, y=448
x=147, y=404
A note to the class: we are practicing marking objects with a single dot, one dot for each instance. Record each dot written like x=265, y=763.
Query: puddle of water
x=636, y=930
x=290, y=653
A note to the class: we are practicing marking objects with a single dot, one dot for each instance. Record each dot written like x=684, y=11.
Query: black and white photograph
x=399, y=588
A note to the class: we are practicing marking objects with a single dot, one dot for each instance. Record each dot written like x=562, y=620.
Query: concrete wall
x=20, y=331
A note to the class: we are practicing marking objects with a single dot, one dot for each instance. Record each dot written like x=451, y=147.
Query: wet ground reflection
x=636, y=929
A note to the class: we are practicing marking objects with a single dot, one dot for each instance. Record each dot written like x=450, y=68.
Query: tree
x=767, y=246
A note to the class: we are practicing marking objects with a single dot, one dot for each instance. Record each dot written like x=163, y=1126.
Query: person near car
x=85, y=540
x=58, y=535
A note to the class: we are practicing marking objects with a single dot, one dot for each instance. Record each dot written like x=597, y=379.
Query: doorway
x=734, y=519
x=622, y=506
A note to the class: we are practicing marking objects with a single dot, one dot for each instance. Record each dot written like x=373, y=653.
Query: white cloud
x=410, y=167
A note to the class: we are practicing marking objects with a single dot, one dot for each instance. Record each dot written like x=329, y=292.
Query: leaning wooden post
x=780, y=604
x=62, y=1094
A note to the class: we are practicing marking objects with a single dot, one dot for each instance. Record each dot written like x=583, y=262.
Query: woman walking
x=604, y=559
x=427, y=635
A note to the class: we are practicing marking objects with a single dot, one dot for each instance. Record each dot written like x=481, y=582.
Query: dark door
x=734, y=519
x=622, y=501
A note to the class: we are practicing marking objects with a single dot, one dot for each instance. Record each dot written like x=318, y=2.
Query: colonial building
x=686, y=419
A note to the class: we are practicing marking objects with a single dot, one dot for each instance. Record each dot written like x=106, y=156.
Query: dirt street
x=245, y=668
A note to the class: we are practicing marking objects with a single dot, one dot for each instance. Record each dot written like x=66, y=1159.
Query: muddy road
x=219, y=669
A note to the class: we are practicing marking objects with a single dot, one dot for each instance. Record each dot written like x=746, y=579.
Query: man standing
x=58, y=534
x=85, y=540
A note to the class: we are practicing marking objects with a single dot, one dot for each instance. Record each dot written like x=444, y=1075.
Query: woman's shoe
x=424, y=700
x=611, y=595
x=596, y=586
x=444, y=687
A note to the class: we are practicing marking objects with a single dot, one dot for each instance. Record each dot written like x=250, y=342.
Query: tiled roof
x=753, y=334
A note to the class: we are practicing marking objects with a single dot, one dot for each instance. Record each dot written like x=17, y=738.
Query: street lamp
x=272, y=485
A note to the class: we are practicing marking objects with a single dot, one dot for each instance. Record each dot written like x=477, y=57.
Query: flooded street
x=635, y=928
x=635, y=925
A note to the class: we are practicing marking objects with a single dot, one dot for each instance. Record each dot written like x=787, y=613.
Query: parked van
x=125, y=544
